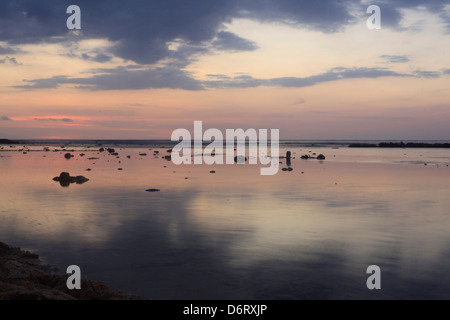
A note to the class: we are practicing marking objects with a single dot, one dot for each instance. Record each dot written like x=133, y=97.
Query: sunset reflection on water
x=234, y=234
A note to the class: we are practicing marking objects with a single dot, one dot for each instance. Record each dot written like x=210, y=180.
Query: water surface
x=306, y=234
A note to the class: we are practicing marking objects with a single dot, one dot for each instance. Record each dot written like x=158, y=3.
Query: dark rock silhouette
x=152, y=190
x=65, y=179
x=67, y=156
x=320, y=157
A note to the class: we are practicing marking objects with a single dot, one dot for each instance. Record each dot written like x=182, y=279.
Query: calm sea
x=310, y=233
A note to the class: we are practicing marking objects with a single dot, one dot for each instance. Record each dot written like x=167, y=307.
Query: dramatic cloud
x=395, y=59
x=124, y=78
x=142, y=30
x=144, y=33
x=5, y=118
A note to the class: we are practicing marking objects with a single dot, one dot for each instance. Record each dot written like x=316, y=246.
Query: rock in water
x=64, y=176
x=81, y=179
x=320, y=157
x=152, y=190
x=67, y=156
x=65, y=179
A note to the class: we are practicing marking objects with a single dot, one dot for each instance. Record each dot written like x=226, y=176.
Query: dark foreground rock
x=24, y=277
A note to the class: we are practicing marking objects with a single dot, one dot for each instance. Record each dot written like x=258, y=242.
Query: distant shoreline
x=400, y=145
x=159, y=143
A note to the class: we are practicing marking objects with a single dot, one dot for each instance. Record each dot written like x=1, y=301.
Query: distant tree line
x=400, y=145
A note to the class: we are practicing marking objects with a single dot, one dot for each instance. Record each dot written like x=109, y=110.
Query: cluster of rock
x=65, y=179
x=319, y=157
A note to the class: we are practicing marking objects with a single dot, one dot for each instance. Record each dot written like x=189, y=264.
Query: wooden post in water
x=288, y=158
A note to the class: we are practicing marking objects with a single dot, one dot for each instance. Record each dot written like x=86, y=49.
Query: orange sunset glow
x=313, y=81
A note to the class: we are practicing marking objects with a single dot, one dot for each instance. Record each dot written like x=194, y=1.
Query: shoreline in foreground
x=24, y=277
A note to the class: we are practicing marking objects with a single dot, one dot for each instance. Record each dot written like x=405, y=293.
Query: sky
x=141, y=69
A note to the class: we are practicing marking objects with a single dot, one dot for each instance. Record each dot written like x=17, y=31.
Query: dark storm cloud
x=395, y=59
x=142, y=32
x=142, y=29
x=324, y=15
x=391, y=14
